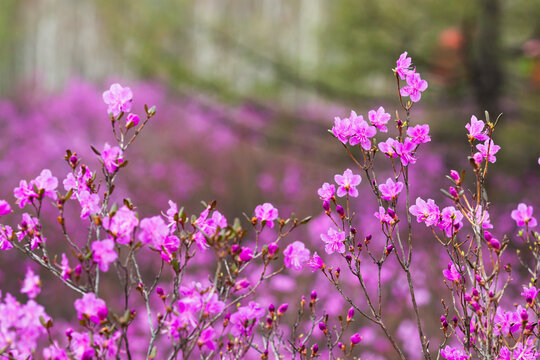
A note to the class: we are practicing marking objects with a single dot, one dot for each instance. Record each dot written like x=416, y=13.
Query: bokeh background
x=245, y=93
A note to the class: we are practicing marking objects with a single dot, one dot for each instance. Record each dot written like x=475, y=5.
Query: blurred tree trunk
x=483, y=55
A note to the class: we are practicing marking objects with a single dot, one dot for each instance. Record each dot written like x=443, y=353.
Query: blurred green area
x=313, y=51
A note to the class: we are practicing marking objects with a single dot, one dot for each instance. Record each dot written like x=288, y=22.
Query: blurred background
x=246, y=90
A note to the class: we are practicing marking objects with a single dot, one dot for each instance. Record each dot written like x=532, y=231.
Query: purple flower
x=121, y=225
x=295, y=255
x=389, y=147
x=31, y=285
x=334, y=241
x=111, y=157
x=523, y=216
x=426, y=211
x=245, y=318
x=476, y=129
x=89, y=203
x=405, y=151
x=5, y=208
x=64, y=267
x=207, y=338
x=24, y=193
x=450, y=353
x=419, y=134
x=361, y=132
x=154, y=230
x=403, y=66
x=266, y=212
x=104, y=253
x=92, y=308
x=315, y=262
x=390, y=190
x=30, y=226
x=379, y=118
x=326, y=191
x=208, y=226
x=384, y=217
x=47, y=183
x=452, y=274
x=451, y=220
x=348, y=182
x=54, y=352
x=118, y=99
x=530, y=293
x=415, y=86
x=506, y=323
x=5, y=238
x=342, y=129
x=488, y=146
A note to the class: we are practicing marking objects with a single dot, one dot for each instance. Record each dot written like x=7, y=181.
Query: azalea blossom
x=390, y=190
x=347, y=183
x=415, y=86
x=379, y=119
x=334, y=241
x=295, y=255
x=118, y=99
x=476, y=129
x=523, y=216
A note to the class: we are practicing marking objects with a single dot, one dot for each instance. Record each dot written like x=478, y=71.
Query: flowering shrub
x=181, y=285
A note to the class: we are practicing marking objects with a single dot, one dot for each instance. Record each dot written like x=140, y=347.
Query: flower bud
x=132, y=120
x=452, y=190
x=246, y=254
x=326, y=206
x=271, y=308
x=235, y=248
x=350, y=314
x=160, y=292
x=355, y=339
x=389, y=249
x=454, y=175
x=313, y=296
x=282, y=309
x=340, y=211
x=337, y=272
x=391, y=213
x=272, y=248
x=314, y=349
x=322, y=327
x=241, y=284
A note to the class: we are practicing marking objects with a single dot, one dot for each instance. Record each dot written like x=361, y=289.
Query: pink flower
x=379, y=118
x=30, y=226
x=390, y=190
x=403, y=65
x=153, y=231
x=207, y=338
x=295, y=255
x=355, y=338
x=506, y=322
x=488, y=145
x=79, y=181
x=111, y=157
x=266, y=212
x=24, y=193
x=476, y=129
x=169, y=246
x=104, y=253
x=426, y=211
x=415, y=86
x=245, y=318
x=523, y=216
x=118, y=99
x=361, y=132
x=4, y=207
x=31, y=285
x=5, y=238
x=450, y=353
x=389, y=147
x=529, y=293
x=64, y=267
x=326, y=191
x=419, y=134
x=342, y=129
x=452, y=274
x=315, y=262
x=47, y=183
x=54, y=352
x=451, y=220
x=208, y=227
x=171, y=212
x=91, y=307
x=121, y=225
x=348, y=182
x=334, y=241
x=384, y=217
x=89, y=203
x=405, y=151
